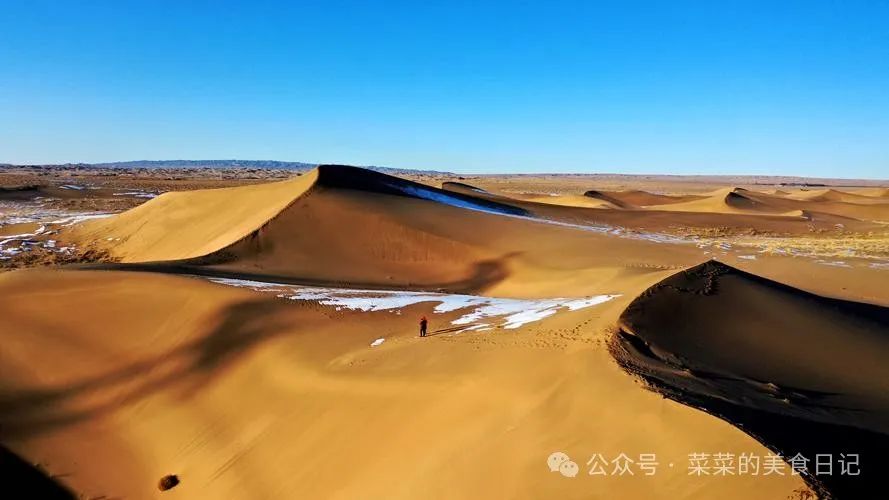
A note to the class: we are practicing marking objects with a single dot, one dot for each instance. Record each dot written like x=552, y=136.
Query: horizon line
x=119, y=164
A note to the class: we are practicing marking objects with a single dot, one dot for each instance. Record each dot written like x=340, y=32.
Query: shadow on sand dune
x=482, y=275
x=190, y=366
x=801, y=373
x=243, y=327
x=18, y=476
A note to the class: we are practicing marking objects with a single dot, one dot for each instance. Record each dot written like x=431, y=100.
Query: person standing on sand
x=423, y=326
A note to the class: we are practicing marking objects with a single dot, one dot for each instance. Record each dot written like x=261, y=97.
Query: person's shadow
x=448, y=330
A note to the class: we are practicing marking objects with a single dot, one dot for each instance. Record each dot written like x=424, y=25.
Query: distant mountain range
x=244, y=164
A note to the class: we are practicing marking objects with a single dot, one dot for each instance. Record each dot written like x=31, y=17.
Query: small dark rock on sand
x=168, y=482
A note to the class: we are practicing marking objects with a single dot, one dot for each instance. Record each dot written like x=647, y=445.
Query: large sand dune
x=636, y=198
x=246, y=395
x=734, y=201
x=804, y=373
x=346, y=225
x=730, y=206
x=729, y=209
x=122, y=378
x=741, y=201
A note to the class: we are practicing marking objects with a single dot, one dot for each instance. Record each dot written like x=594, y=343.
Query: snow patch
x=76, y=219
x=512, y=313
x=834, y=263
x=136, y=194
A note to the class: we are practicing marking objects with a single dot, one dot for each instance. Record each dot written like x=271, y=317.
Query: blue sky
x=796, y=88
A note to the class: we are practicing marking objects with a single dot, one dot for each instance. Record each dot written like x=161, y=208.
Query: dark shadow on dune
x=188, y=367
x=462, y=187
x=600, y=195
x=675, y=337
x=433, y=333
x=22, y=480
x=360, y=179
x=482, y=275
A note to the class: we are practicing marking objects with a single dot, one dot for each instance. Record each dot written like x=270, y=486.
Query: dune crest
x=186, y=224
x=636, y=198
x=461, y=187
x=189, y=224
x=800, y=372
x=244, y=395
x=346, y=225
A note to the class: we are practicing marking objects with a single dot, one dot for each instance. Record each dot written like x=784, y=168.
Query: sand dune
x=874, y=192
x=743, y=201
x=243, y=395
x=203, y=221
x=833, y=195
x=346, y=225
x=704, y=212
x=735, y=201
x=628, y=199
x=636, y=198
x=801, y=372
x=251, y=389
x=777, y=192
x=831, y=202
x=609, y=198
x=573, y=201
x=460, y=187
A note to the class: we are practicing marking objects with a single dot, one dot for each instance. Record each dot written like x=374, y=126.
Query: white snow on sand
x=505, y=210
x=833, y=263
x=377, y=342
x=136, y=194
x=49, y=220
x=77, y=218
x=509, y=313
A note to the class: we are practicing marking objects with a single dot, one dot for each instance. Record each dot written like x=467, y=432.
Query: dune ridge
x=245, y=395
x=205, y=221
x=367, y=229
x=462, y=187
x=800, y=372
x=635, y=198
x=796, y=371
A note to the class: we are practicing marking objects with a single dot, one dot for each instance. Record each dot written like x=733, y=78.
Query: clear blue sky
x=771, y=87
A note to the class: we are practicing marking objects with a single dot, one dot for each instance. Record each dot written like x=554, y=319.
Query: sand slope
x=829, y=202
x=247, y=396
x=358, y=227
x=460, y=187
x=732, y=201
x=836, y=195
x=802, y=372
x=637, y=198
x=573, y=201
x=181, y=225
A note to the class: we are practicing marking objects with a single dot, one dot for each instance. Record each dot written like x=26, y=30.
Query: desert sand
x=260, y=341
